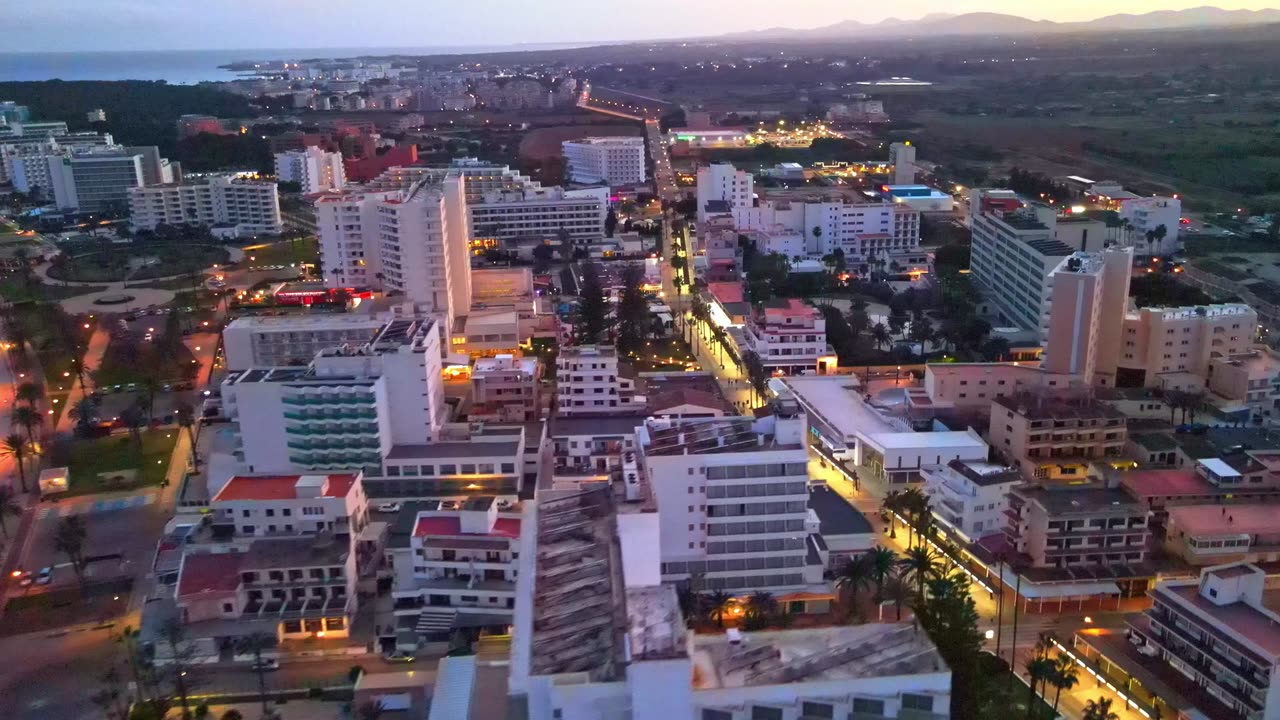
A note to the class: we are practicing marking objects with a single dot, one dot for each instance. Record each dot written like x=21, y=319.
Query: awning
x=1043, y=591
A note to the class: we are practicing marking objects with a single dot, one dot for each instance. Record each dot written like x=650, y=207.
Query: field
x=113, y=264
x=89, y=458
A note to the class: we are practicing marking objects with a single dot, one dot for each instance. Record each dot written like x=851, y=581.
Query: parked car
x=389, y=507
x=266, y=664
x=45, y=576
x=399, y=656
x=25, y=579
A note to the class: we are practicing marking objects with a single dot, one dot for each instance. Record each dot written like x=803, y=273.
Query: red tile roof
x=209, y=573
x=727, y=292
x=1143, y=484
x=278, y=487
x=502, y=527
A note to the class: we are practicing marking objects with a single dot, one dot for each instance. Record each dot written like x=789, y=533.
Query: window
x=911, y=701
x=868, y=706
x=271, y=512
x=760, y=712
x=246, y=529
x=228, y=607
x=709, y=714
x=448, y=469
x=817, y=710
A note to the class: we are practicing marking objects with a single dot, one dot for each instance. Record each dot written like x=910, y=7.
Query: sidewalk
x=92, y=361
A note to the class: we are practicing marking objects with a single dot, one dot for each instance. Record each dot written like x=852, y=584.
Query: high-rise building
x=156, y=170
x=588, y=383
x=903, y=157
x=293, y=339
x=314, y=169
x=12, y=112
x=609, y=160
x=732, y=500
x=726, y=186
x=229, y=206
x=1163, y=345
x=1084, y=329
x=95, y=181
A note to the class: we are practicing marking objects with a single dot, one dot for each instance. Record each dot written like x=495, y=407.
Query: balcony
x=1162, y=623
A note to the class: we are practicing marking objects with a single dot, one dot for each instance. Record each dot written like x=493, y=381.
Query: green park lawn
x=285, y=252
x=91, y=457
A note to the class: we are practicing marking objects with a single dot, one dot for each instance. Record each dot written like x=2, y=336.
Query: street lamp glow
x=990, y=634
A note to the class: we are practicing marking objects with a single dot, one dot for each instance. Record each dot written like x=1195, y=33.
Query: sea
x=188, y=67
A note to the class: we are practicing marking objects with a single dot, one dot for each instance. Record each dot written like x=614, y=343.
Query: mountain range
x=985, y=23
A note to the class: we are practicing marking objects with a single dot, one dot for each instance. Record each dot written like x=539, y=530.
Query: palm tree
x=69, y=540
x=85, y=413
x=881, y=561
x=1099, y=709
x=718, y=603
x=761, y=607
x=853, y=576
x=896, y=589
x=919, y=564
x=186, y=416
x=913, y=501
x=29, y=393
x=892, y=505
x=16, y=447
x=1066, y=675
x=8, y=507
x=1039, y=669
x=150, y=388
x=26, y=417
x=134, y=419
x=880, y=335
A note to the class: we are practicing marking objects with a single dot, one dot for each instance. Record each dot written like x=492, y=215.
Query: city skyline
x=132, y=25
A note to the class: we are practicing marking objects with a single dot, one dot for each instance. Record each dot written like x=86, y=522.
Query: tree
x=756, y=372
x=1066, y=675
x=921, y=333
x=717, y=603
x=85, y=413
x=880, y=335
x=1099, y=709
x=567, y=245
x=150, y=387
x=633, y=310
x=881, y=562
x=186, y=416
x=174, y=637
x=1039, y=670
x=16, y=447
x=610, y=223
x=69, y=540
x=134, y=419
x=896, y=589
x=817, y=240
x=254, y=644
x=542, y=256
x=919, y=564
x=591, y=318
x=9, y=507
x=29, y=419
x=853, y=576
x=947, y=614
x=29, y=393
x=761, y=608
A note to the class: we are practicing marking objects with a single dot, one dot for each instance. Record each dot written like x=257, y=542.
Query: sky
x=79, y=25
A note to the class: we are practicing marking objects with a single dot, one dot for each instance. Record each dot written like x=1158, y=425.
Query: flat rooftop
x=1145, y=484
x=940, y=440
x=826, y=654
x=286, y=323
x=284, y=487
x=1065, y=500
x=1207, y=520
x=446, y=450
x=835, y=515
x=837, y=401
x=1258, y=626
x=655, y=625
x=984, y=474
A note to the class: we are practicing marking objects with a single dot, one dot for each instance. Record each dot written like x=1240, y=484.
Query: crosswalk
x=89, y=506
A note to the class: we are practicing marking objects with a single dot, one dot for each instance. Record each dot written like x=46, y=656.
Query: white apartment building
x=1161, y=346
x=588, y=383
x=539, y=212
x=229, y=206
x=505, y=389
x=732, y=498
x=789, y=336
x=1148, y=213
x=723, y=183
x=860, y=230
x=279, y=554
x=610, y=160
x=314, y=169
x=970, y=496
x=1222, y=630
x=27, y=128
x=347, y=410
x=293, y=339
x=903, y=157
x=596, y=636
x=28, y=165
x=455, y=567
x=94, y=181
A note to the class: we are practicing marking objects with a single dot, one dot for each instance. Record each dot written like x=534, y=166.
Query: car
x=389, y=507
x=45, y=576
x=25, y=579
x=265, y=664
x=399, y=656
